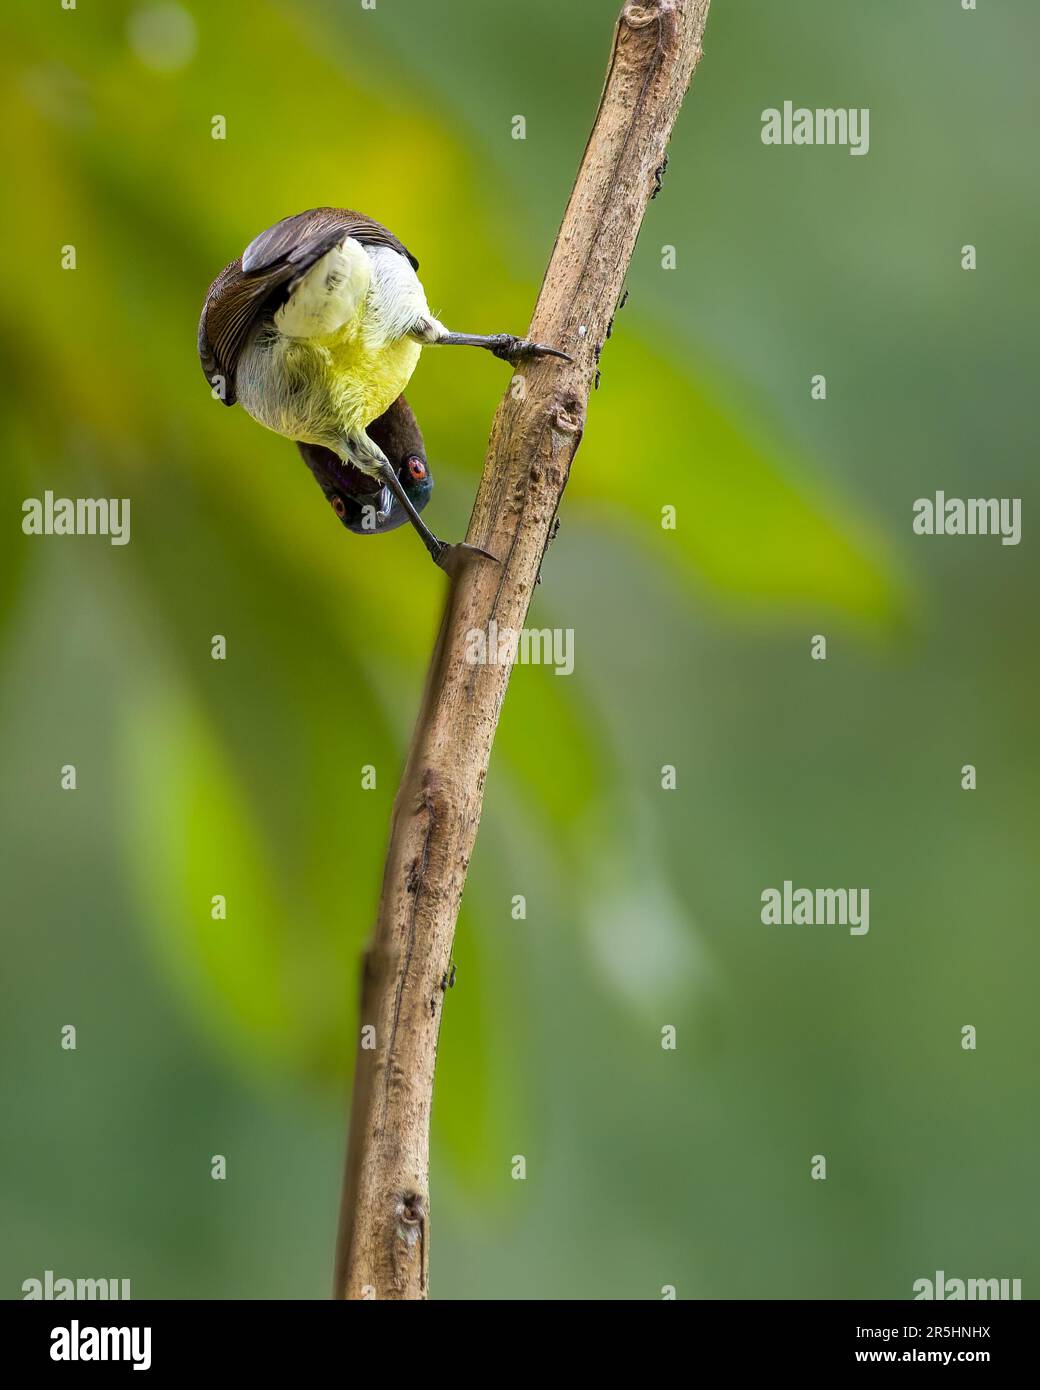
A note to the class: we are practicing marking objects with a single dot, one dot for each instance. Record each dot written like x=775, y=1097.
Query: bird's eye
x=338, y=505
x=416, y=468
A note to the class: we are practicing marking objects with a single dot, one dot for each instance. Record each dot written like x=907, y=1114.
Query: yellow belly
x=364, y=378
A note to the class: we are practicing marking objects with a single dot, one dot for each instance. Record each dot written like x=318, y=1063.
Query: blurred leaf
x=747, y=521
x=193, y=835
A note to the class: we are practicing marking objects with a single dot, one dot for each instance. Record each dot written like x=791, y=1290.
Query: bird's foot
x=451, y=558
x=514, y=350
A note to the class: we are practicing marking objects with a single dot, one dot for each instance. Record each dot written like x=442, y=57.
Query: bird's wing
x=292, y=239
x=271, y=265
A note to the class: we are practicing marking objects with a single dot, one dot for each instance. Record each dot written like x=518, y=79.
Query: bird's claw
x=450, y=558
x=513, y=350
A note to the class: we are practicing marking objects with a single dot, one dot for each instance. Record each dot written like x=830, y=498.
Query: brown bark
x=384, y=1238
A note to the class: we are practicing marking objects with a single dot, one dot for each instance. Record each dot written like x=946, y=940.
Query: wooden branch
x=384, y=1238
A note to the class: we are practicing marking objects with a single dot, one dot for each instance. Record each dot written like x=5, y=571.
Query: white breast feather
x=329, y=295
x=396, y=301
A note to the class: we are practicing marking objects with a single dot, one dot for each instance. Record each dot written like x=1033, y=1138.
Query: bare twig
x=384, y=1237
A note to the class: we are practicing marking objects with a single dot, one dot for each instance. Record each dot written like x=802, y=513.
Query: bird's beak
x=389, y=513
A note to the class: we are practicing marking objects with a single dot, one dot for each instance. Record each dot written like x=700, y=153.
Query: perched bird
x=316, y=329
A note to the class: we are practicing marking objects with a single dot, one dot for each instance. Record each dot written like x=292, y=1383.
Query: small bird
x=316, y=330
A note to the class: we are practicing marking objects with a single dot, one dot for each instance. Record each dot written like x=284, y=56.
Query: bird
x=316, y=330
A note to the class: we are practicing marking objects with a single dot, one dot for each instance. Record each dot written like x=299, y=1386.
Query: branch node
x=564, y=422
x=638, y=16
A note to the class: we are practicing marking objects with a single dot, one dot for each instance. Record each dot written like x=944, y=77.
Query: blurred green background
x=645, y=1167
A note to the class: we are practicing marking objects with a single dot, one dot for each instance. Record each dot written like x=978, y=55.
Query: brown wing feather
x=271, y=264
x=290, y=239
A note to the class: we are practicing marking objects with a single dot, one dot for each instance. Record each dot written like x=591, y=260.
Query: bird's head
x=371, y=512
x=361, y=502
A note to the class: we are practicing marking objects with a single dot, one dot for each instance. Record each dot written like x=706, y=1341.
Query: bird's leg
x=503, y=345
x=365, y=454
